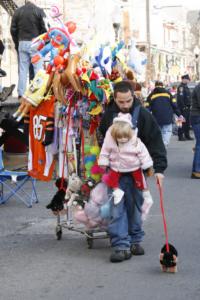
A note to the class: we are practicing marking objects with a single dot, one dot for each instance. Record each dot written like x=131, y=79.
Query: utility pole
x=148, y=40
x=64, y=10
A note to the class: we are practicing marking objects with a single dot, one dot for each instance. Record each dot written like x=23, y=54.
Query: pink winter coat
x=125, y=157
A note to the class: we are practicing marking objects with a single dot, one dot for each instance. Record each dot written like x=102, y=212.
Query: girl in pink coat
x=124, y=152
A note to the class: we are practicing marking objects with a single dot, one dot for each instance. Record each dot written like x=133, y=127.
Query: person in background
x=27, y=23
x=184, y=104
x=125, y=228
x=173, y=90
x=195, y=122
x=163, y=107
x=5, y=92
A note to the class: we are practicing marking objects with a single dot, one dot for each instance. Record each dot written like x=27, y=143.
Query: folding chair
x=14, y=181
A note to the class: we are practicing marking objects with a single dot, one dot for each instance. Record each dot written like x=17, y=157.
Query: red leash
x=163, y=215
x=68, y=117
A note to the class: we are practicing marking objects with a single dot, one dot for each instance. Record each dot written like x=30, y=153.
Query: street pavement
x=35, y=265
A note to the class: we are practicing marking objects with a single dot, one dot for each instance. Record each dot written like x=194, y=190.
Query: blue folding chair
x=13, y=182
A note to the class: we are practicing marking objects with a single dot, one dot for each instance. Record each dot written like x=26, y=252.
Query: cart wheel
x=59, y=232
x=90, y=243
x=89, y=239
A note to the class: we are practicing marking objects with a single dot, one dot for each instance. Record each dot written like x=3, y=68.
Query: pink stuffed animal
x=90, y=215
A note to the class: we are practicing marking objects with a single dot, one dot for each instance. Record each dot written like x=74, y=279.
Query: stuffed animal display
x=90, y=216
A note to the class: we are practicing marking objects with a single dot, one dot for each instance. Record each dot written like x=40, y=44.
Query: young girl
x=124, y=152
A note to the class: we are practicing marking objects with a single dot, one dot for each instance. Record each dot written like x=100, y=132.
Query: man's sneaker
x=189, y=138
x=195, y=175
x=7, y=91
x=120, y=255
x=181, y=139
x=137, y=249
x=2, y=73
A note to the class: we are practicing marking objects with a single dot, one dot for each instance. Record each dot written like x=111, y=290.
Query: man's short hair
x=123, y=87
x=158, y=83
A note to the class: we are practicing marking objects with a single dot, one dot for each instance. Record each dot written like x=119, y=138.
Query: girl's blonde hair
x=121, y=129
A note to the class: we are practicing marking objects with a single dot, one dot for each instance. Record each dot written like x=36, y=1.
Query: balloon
x=58, y=60
x=89, y=165
x=105, y=210
x=96, y=177
x=86, y=148
x=88, y=174
x=58, y=88
x=95, y=150
x=69, y=75
x=90, y=158
x=71, y=26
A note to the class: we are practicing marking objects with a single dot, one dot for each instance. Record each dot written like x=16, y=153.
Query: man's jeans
x=125, y=227
x=166, y=131
x=25, y=53
x=195, y=122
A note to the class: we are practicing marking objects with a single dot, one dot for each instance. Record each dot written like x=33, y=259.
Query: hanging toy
x=55, y=41
x=103, y=60
x=34, y=94
x=57, y=202
x=169, y=254
x=137, y=60
x=69, y=76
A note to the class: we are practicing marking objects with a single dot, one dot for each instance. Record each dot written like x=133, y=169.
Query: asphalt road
x=34, y=265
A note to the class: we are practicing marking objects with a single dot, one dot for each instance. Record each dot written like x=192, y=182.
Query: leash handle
x=163, y=214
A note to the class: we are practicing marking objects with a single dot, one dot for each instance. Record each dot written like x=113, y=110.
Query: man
x=4, y=91
x=163, y=106
x=27, y=23
x=125, y=228
x=184, y=104
x=195, y=122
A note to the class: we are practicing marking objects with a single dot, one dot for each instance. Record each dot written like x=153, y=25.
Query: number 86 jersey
x=41, y=160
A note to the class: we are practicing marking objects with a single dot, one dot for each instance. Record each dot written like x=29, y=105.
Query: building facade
x=169, y=33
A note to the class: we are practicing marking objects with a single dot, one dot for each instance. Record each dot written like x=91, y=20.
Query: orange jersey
x=41, y=160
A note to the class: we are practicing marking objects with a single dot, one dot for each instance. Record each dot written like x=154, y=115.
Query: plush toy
x=57, y=203
x=137, y=60
x=34, y=94
x=73, y=189
x=70, y=76
x=54, y=41
x=168, y=259
x=90, y=215
x=86, y=188
x=169, y=254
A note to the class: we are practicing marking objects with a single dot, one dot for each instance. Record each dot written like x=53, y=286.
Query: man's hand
x=159, y=178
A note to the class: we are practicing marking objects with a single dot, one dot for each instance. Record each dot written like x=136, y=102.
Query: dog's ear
x=59, y=182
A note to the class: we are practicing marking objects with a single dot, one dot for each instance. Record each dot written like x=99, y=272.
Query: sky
x=191, y=4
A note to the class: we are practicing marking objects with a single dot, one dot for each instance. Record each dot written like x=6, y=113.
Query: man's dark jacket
x=195, y=109
x=27, y=23
x=162, y=105
x=148, y=132
x=183, y=97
